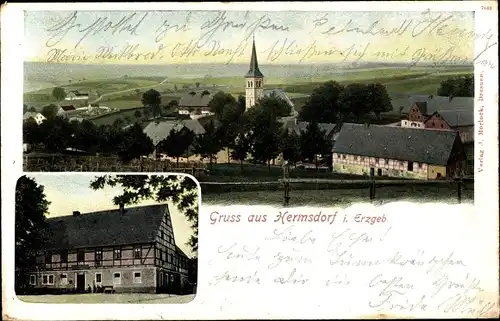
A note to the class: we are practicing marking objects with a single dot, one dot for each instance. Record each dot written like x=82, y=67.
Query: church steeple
x=254, y=79
x=254, y=64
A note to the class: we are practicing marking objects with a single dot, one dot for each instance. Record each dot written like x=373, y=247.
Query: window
x=32, y=279
x=338, y=155
x=117, y=278
x=48, y=258
x=98, y=257
x=171, y=278
x=410, y=166
x=355, y=158
x=442, y=125
x=137, y=252
x=343, y=156
x=98, y=278
x=137, y=277
x=158, y=253
x=419, y=165
x=162, y=235
x=80, y=256
x=387, y=162
x=48, y=279
x=64, y=256
x=117, y=254
x=64, y=279
x=376, y=160
x=401, y=163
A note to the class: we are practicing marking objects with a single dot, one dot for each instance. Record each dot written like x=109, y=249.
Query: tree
x=356, y=100
x=290, y=146
x=32, y=109
x=86, y=136
x=313, y=142
x=379, y=101
x=324, y=105
x=219, y=101
x=57, y=133
x=197, y=85
x=459, y=86
x=264, y=132
x=137, y=114
x=181, y=190
x=31, y=206
x=242, y=103
x=134, y=144
x=49, y=111
x=58, y=93
x=31, y=132
x=276, y=104
x=208, y=144
x=177, y=143
x=241, y=148
x=152, y=99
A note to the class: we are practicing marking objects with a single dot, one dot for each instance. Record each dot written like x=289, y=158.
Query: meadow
x=126, y=92
x=345, y=196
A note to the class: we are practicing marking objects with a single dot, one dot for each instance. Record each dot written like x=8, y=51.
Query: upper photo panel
x=238, y=96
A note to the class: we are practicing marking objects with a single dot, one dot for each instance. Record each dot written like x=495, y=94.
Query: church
x=195, y=103
x=254, y=85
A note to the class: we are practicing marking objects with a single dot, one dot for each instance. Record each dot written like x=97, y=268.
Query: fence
x=338, y=191
x=66, y=163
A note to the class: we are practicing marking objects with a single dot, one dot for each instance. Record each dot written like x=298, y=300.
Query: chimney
x=76, y=213
x=122, y=208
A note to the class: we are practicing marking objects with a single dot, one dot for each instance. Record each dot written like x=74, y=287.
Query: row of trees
x=257, y=133
x=333, y=102
x=459, y=86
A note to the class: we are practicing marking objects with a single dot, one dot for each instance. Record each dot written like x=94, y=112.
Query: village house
x=76, y=95
x=377, y=150
x=66, y=111
x=159, y=130
x=195, y=103
x=292, y=124
x=37, y=117
x=123, y=250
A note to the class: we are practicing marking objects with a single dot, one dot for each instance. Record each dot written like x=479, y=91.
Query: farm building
x=126, y=250
x=298, y=127
x=66, y=110
x=160, y=130
x=37, y=117
x=76, y=95
x=398, y=152
x=195, y=102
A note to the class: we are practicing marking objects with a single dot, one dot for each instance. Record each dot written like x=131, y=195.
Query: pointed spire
x=254, y=65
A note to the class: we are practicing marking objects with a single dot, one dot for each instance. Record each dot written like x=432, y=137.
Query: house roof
x=458, y=118
x=159, y=130
x=254, y=64
x=434, y=103
x=106, y=228
x=67, y=108
x=78, y=93
x=418, y=145
x=196, y=99
x=280, y=93
x=31, y=114
x=300, y=126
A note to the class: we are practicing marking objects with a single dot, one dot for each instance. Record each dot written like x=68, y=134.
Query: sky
x=68, y=193
x=152, y=37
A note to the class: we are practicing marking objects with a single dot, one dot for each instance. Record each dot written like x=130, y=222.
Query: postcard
x=297, y=160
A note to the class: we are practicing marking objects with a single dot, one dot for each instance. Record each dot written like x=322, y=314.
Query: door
x=379, y=172
x=372, y=172
x=80, y=282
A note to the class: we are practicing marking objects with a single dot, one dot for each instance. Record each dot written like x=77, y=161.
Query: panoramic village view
x=124, y=247
x=255, y=130
x=280, y=118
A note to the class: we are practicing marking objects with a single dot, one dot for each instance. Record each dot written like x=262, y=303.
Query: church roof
x=254, y=65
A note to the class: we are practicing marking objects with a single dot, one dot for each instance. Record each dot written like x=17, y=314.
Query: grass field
x=341, y=197
x=124, y=92
x=92, y=298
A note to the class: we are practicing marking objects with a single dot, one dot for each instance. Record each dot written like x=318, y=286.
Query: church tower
x=254, y=87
